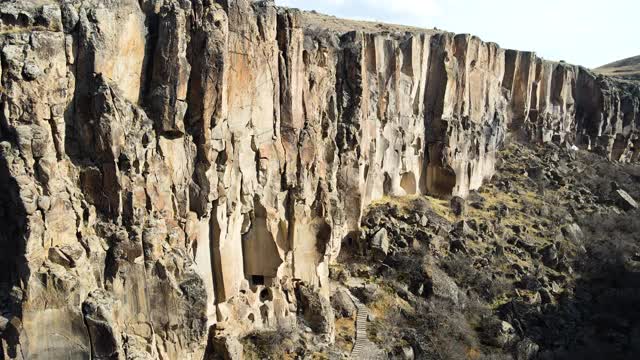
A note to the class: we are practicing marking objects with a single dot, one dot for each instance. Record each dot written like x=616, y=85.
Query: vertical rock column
x=46, y=272
x=520, y=80
x=466, y=113
x=608, y=116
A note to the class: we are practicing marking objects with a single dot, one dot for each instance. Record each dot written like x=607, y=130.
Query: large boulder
x=572, y=232
x=368, y=293
x=457, y=205
x=499, y=333
x=464, y=229
x=405, y=352
x=526, y=350
x=624, y=200
x=3, y=323
x=380, y=244
x=441, y=286
x=550, y=255
x=316, y=310
x=343, y=304
x=224, y=347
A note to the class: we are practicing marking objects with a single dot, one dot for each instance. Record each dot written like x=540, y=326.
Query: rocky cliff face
x=171, y=167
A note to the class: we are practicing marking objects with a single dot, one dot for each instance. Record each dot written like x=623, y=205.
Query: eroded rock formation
x=168, y=167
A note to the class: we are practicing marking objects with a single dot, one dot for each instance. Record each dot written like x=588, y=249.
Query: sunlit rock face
x=561, y=102
x=171, y=167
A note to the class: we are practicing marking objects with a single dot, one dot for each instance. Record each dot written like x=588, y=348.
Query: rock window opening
x=257, y=280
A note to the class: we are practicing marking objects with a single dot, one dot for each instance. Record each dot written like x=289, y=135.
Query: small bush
x=460, y=267
x=610, y=239
x=268, y=344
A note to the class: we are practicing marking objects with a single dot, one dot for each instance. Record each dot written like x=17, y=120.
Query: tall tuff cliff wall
x=167, y=166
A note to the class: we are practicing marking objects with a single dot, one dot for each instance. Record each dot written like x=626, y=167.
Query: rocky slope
x=175, y=175
x=542, y=263
x=627, y=68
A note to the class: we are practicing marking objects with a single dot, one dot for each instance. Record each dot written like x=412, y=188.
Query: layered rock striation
x=173, y=172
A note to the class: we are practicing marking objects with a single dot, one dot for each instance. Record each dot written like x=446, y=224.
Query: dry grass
x=319, y=356
x=442, y=208
x=399, y=201
x=315, y=20
x=380, y=307
x=344, y=327
x=627, y=68
x=404, y=204
x=265, y=344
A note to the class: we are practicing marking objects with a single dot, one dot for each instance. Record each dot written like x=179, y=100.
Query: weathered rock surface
x=441, y=285
x=342, y=303
x=529, y=275
x=624, y=200
x=380, y=244
x=316, y=310
x=170, y=165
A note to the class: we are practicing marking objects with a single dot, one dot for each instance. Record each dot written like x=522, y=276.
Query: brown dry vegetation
x=627, y=68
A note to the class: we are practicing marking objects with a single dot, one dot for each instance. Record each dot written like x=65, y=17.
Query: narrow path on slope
x=362, y=342
x=363, y=348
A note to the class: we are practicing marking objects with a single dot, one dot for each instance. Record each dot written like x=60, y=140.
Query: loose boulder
x=572, y=232
x=526, y=349
x=441, y=286
x=3, y=323
x=500, y=333
x=380, y=244
x=342, y=304
x=457, y=205
x=624, y=200
x=316, y=310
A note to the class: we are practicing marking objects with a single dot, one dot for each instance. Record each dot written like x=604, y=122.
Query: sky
x=584, y=32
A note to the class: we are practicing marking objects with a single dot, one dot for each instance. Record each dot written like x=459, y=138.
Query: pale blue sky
x=585, y=32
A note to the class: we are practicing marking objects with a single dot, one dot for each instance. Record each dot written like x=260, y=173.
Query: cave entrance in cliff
x=387, y=184
x=261, y=258
x=349, y=246
x=441, y=181
x=408, y=183
x=257, y=280
x=440, y=177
